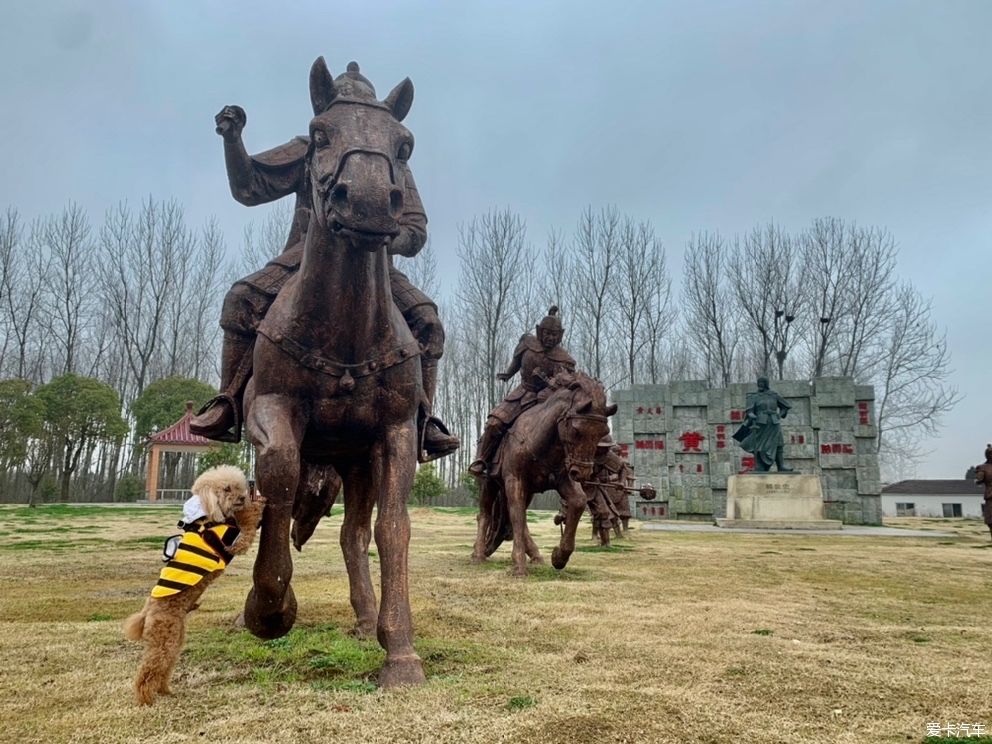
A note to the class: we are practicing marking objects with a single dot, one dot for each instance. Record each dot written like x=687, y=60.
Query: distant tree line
x=827, y=300
x=107, y=329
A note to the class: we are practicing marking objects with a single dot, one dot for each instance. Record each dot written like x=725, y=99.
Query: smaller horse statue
x=550, y=446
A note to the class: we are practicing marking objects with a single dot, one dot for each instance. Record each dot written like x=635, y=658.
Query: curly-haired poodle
x=219, y=522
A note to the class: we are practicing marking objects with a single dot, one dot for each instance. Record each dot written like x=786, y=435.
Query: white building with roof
x=933, y=498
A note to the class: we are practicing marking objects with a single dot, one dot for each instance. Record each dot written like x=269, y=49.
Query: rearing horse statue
x=337, y=378
x=550, y=446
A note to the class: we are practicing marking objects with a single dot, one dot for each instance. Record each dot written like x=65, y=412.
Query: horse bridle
x=567, y=440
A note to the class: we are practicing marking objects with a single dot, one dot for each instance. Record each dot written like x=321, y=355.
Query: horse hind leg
x=356, y=534
x=517, y=504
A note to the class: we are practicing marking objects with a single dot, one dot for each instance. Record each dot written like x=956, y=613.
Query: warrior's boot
x=220, y=417
x=488, y=444
x=779, y=461
x=436, y=440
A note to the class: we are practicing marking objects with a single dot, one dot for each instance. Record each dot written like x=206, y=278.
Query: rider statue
x=538, y=358
x=983, y=475
x=271, y=175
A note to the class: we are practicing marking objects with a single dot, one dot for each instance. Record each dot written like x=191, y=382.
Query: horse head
x=584, y=421
x=357, y=156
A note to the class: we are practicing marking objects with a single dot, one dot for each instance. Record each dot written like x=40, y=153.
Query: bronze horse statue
x=336, y=377
x=550, y=446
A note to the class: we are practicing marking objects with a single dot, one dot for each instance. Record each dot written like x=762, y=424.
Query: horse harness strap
x=328, y=366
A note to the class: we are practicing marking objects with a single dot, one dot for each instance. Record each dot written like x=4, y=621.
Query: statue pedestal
x=776, y=501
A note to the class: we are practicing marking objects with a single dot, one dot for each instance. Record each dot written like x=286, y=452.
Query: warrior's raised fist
x=230, y=121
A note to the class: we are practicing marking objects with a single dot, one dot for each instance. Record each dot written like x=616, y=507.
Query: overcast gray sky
x=692, y=115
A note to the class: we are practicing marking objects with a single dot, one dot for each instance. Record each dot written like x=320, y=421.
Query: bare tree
x=710, y=316
x=912, y=392
x=144, y=258
x=868, y=306
x=24, y=269
x=596, y=248
x=491, y=250
x=764, y=273
x=639, y=295
x=69, y=295
x=826, y=275
x=421, y=270
x=266, y=238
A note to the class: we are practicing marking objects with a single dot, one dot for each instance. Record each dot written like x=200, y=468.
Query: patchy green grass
x=666, y=637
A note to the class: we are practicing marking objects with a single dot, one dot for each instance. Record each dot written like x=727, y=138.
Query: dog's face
x=223, y=491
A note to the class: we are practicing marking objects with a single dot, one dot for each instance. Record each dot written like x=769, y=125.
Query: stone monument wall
x=679, y=438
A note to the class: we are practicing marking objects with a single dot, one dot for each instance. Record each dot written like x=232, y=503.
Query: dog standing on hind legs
x=219, y=522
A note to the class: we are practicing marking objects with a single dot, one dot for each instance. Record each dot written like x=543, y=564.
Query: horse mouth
x=360, y=232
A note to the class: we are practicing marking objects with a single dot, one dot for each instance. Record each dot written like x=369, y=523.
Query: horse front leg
x=393, y=464
x=275, y=427
x=356, y=533
x=575, y=504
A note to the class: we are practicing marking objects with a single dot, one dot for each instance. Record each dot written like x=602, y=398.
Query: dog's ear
x=213, y=504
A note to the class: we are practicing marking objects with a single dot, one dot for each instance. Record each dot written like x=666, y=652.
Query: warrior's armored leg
x=779, y=461
x=220, y=417
x=492, y=435
x=426, y=327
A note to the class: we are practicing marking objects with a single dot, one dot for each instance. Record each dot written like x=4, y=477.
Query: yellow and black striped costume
x=203, y=550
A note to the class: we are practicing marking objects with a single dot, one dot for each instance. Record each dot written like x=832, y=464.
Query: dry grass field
x=668, y=637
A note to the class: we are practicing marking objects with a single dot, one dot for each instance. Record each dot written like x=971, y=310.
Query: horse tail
x=493, y=500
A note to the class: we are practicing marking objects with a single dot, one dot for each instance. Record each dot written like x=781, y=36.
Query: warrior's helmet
x=353, y=84
x=551, y=321
x=988, y=453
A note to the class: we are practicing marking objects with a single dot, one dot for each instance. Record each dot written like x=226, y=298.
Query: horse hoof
x=363, y=631
x=537, y=560
x=272, y=624
x=478, y=558
x=406, y=670
x=558, y=559
x=519, y=573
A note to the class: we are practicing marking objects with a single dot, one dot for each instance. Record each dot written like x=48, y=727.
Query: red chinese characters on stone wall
x=737, y=415
x=797, y=439
x=649, y=444
x=747, y=464
x=649, y=410
x=721, y=437
x=836, y=448
x=691, y=441
x=864, y=417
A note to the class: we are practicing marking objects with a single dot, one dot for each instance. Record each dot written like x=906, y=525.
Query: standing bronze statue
x=761, y=432
x=336, y=374
x=280, y=172
x=983, y=475
x=537, y=358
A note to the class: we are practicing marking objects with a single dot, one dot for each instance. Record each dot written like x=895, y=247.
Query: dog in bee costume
x=219, y=522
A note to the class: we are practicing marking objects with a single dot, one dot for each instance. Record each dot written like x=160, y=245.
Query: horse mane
x=578, y=380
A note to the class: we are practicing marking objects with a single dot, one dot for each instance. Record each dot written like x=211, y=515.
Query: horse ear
x=400, y=99
x=322, y=90
x=610, y=410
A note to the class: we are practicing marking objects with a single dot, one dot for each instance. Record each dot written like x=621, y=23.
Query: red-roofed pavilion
x=176, y=438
